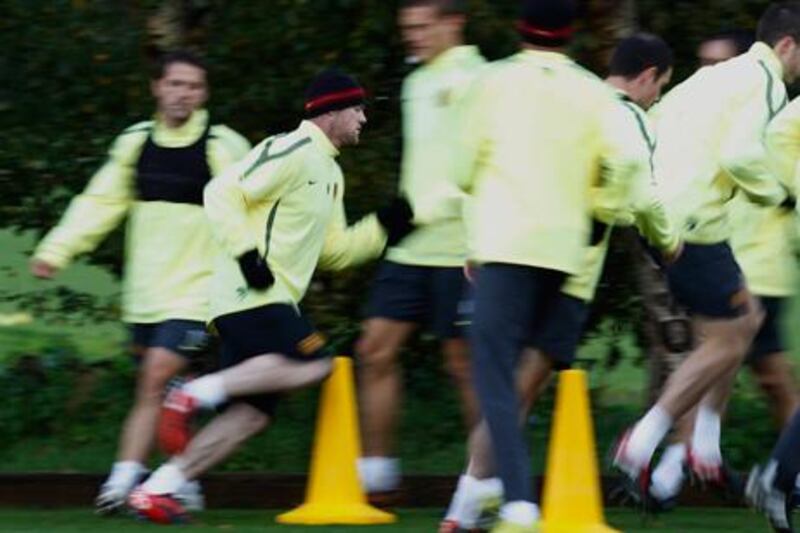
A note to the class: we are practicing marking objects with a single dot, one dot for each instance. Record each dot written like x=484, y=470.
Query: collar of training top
x=318, y=137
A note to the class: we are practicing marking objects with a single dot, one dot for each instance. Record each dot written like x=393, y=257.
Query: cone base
x=572, y=527
x=324, y=514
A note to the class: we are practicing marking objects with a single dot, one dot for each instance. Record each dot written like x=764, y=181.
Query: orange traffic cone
x=334, y=494
x=572, y=502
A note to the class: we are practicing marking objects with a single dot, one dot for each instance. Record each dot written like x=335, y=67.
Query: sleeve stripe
x=266, y=156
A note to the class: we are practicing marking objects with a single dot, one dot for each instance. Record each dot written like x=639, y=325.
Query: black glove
x=255, y=270
x=396, y=219
x=598, y=232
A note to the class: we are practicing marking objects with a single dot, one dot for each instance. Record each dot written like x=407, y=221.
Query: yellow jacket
x=285, y=198
x=169, y=248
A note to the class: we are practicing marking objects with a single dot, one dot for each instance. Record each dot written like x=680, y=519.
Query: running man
x=155, y=174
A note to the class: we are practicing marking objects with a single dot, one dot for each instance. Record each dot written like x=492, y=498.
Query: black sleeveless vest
x=176, y=175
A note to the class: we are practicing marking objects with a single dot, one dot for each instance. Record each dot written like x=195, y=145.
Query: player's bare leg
x=380, y=393
x=457, y=364
x=158, y=366
x=775, y=377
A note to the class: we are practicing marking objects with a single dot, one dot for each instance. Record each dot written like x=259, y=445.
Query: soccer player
x=542, y=155
x=764, y=242
x=722, y=46
x=640, y=66
x=421, y=281
x=710, y=144
x=155, y=174
x=278, y=213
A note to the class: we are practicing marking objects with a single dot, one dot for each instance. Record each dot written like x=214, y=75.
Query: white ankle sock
x=208, y=390
x=706, y=436
x=520, y=512
x=462, y=497
x=646, y=436
x=668, y=476
x=125, y=474
x=166, y=480
x=379, y=474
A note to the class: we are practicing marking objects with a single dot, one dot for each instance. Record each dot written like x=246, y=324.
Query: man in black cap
x=277, y=214
x=539, y=132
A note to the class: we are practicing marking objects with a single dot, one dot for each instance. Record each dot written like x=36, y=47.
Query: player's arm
x=347, y=246
x=258, y=177
x=229, y=147
x=783, y=145
x=92, y=214
x=743, y=154
x=621, y=160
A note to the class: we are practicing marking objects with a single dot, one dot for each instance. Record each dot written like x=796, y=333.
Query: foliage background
x=74, y=75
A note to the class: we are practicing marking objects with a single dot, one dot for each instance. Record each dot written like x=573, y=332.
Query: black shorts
x=419, y=294
x=275, y=328
x=561, y=331
x=769, y=339
x=187, y=338
x=707, y=280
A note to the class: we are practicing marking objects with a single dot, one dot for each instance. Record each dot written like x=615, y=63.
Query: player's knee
x=458, y=368
x=154, y=376
x=776, y=385
x=255, y=422
x=374, y=357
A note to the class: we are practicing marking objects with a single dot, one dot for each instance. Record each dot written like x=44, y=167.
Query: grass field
x=82, y=521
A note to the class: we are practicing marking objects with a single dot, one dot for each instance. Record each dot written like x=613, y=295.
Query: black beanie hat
x=547, y=22
x=332, y=90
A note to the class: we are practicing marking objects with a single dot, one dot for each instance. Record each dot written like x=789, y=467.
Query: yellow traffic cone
x=334, y=494
x=572, y=502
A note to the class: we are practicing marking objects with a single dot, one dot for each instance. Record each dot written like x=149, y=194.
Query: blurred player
x=710, y=144
x=542, y=155
x=155, y=174
x=278, y=213
x=640, y=67
x=723, y=46
x=421, y=280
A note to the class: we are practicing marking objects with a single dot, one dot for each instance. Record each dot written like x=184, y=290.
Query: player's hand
x=42, y=269
x=396, y=219
x=255, y=270
x=671, y=257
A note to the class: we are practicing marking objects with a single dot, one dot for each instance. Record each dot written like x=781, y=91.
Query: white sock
x=462, y=497
x=166, y=480
x=208, y=390
x=706, y=436
x=668, y=476
x=379, y=474
x=125, y=474
x=646, y=436
x=520, y=512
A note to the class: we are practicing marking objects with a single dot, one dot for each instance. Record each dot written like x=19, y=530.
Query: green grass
x=82, y=521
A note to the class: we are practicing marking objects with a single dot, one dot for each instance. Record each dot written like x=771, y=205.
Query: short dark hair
x=779, y=21
x=741, y=39
x=639, y=52
x=176, y=56
x=445, y=7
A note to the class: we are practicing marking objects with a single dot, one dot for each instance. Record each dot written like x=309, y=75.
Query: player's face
x=716, y=51
x=427, y=33
x=180, y=92
x=347, y=125
x=654, y=86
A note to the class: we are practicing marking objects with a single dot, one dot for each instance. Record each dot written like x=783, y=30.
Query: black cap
x=547, y=23
x=332, y=90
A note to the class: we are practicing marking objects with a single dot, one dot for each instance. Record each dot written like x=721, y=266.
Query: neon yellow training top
x=169, y=248
x=432, y=100
x=285, y=198
x=710, y=142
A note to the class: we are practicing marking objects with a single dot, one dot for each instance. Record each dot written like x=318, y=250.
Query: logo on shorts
x=195, y=340
x=311, y=344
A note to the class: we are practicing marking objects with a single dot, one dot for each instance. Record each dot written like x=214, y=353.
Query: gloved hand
x=396, y=219
x=255, y=270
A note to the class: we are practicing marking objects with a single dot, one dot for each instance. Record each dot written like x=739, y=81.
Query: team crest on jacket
x=444, y=97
